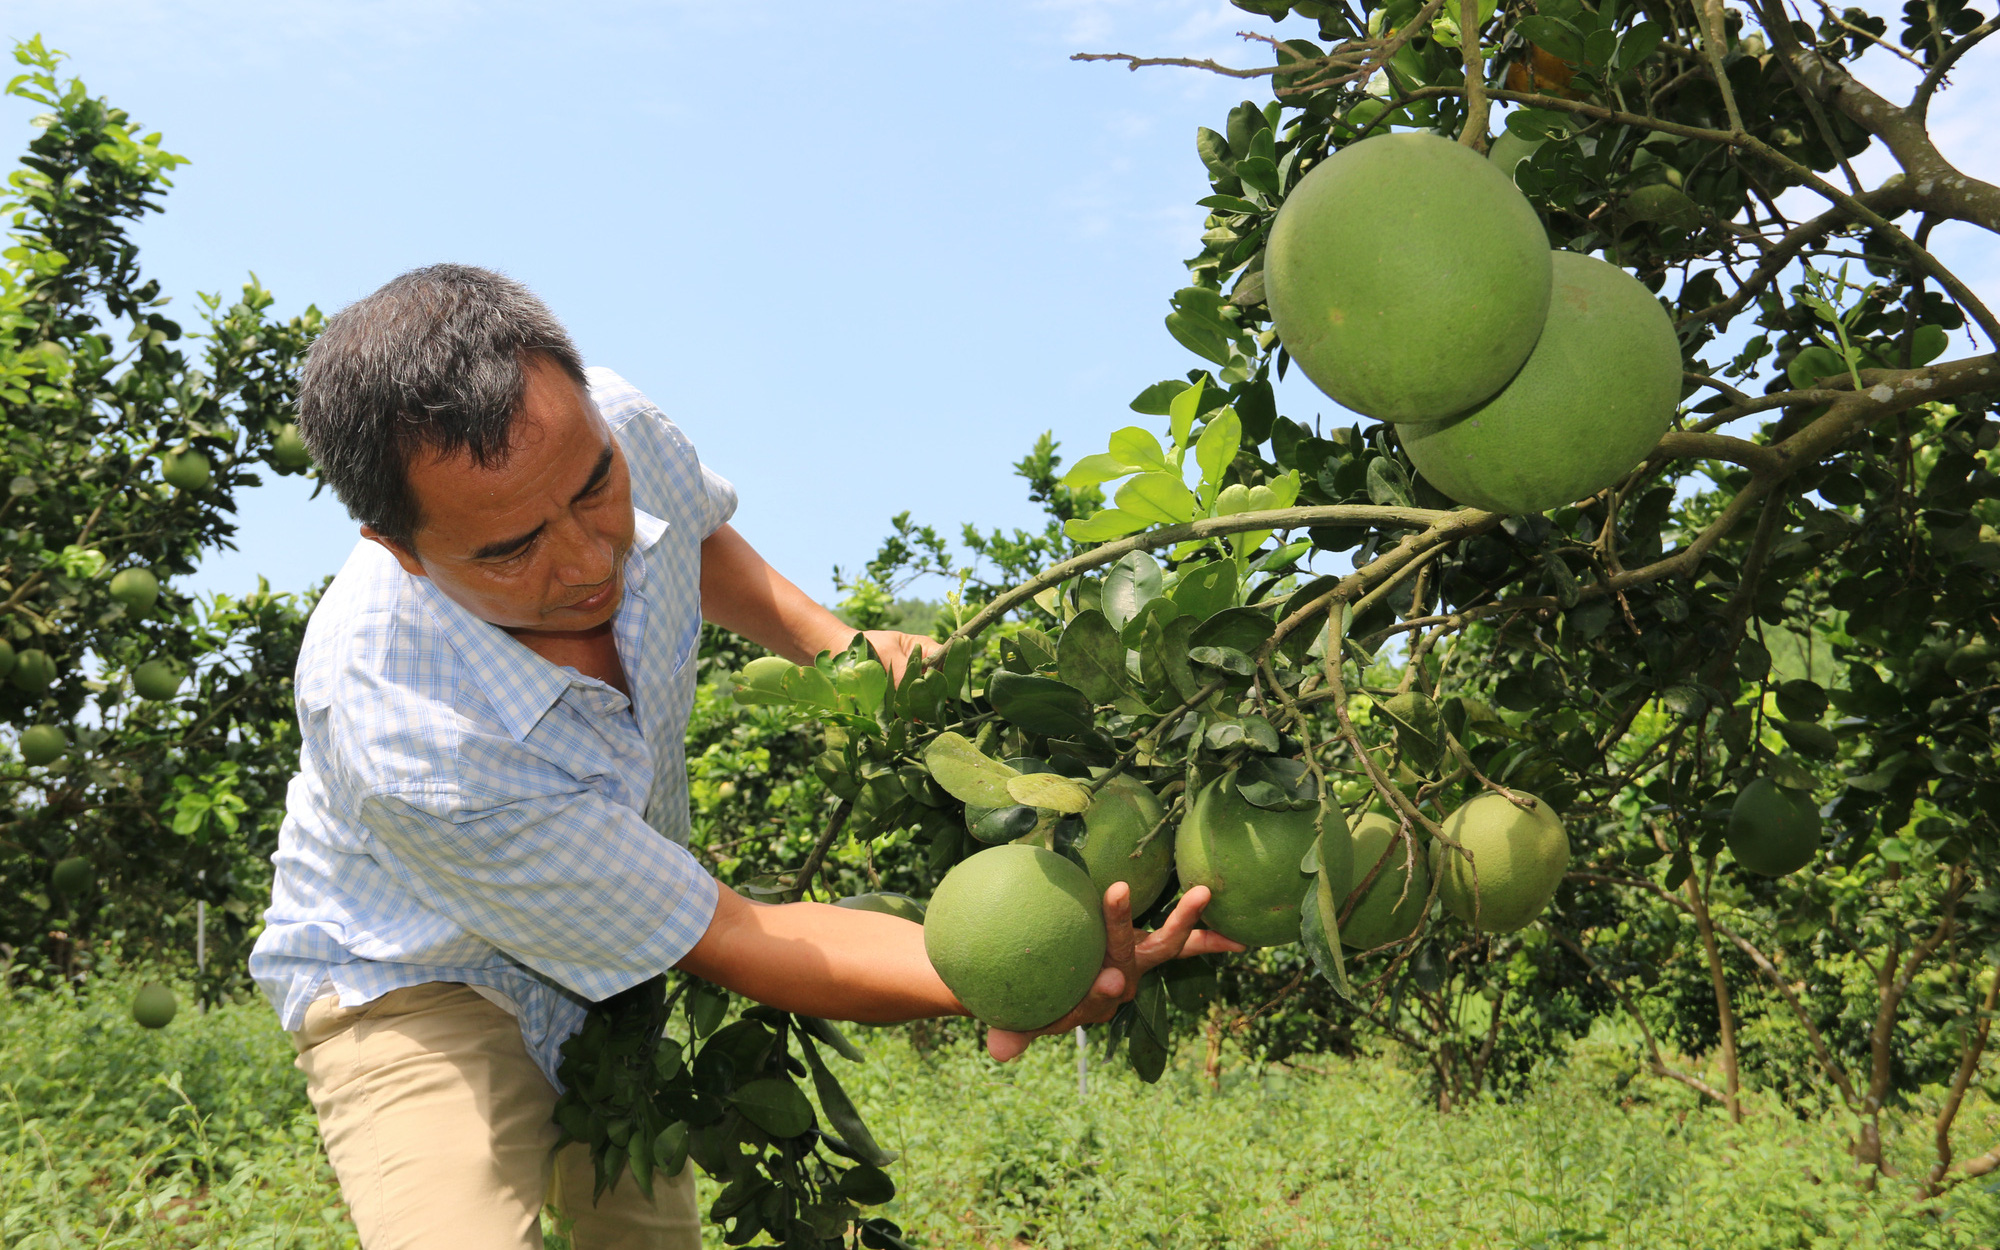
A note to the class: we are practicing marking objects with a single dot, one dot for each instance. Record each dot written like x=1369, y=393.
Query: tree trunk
x=1731, y=1087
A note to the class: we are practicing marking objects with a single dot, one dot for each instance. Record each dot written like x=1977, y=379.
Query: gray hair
x=431, y=362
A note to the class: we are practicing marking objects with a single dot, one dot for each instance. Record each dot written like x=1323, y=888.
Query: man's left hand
x=897, y=649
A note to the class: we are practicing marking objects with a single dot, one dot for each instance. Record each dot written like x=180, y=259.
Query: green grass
x=199, y=1135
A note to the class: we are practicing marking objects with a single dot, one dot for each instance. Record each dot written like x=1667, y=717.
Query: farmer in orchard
x=488, y=830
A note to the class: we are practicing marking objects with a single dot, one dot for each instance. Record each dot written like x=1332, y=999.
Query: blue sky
x=862, y=259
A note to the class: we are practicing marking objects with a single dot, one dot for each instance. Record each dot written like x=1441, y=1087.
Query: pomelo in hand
x=1773, y=831
x=1521, y=857
x=1249, y=856
x=1407, y=276
x=1387, y=912
x=1600, y=388
x=42, y=744
x=1120, y=815
x=901, y=906
x=137, y=589
x=1017, y=932
x=154, y=1006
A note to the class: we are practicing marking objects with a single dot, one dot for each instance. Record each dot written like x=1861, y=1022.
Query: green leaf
x=1637, y=44
x=965, y=773
x=1156, y=498
x=1202, y=590
x=1129, y=585
x=1153, y=401
x=810, y=686
x=1216, y=450
x=1050, y=790
x=1163, y=658
x=1533, y=123
x=1319, y=933
x=1182, y=411
x=1199, y=337
x=1801, y=700
x=1213, y=150
x=1243, y=629
x=825, y=1031
x=869, y=1186
x=1092, y=470
x=1040, y=705
x=1163, y=609
x=1137, y=446
x=1228, y=659
x=1417, y=729
x=1091, y=657
x=1103, y=526
x=1229, y=204
x=1388, y=484
x=1807, y=738
x=670, y=1149
x=1552, y=34
x=775, y=1105
x=840, y=1113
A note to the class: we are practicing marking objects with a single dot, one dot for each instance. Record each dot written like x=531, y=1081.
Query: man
x=488, y=828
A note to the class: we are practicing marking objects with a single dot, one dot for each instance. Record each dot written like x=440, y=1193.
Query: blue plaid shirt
x=467, y=811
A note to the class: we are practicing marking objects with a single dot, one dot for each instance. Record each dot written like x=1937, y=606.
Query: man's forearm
x=745, y=595
x=819, y=960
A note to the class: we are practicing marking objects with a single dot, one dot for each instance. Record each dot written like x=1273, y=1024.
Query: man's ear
x=405, y=555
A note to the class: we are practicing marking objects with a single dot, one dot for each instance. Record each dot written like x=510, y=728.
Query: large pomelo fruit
x=1122, y=813
x=1596, y=394
x=1521, y=857
x=1386, y=913
x=158, y=679
x=1017, y=932
x=1407, y=277
x=73, y=876
x=42, y=744
x=1248, y=857
x=1772, y=830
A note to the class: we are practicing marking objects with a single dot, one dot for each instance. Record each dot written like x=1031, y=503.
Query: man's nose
x=584, y=556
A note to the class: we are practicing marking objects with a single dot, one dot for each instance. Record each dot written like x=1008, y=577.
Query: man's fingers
x=1099, y=1005
x=1178, y=936
x=1119, y=938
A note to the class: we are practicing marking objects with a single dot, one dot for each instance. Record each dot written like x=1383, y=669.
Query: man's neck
x=592, y=652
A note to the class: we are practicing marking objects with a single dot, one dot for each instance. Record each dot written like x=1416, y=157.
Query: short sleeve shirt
x=465, y=810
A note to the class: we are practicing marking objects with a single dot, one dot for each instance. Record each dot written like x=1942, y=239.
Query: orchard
x=1630, y=654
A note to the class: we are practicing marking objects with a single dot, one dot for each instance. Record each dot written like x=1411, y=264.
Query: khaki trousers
x=438, y=1125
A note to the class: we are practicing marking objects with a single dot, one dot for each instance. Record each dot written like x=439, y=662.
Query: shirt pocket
x=687, y=648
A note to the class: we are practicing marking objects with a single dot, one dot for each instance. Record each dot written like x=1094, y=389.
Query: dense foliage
x=123, y=446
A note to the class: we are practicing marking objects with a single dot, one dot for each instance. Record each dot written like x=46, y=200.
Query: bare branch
x=1920, y=103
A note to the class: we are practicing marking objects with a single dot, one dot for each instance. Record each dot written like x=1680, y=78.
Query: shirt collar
x=520, y=685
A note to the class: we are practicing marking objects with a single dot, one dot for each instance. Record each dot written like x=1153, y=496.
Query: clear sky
x=863, y=253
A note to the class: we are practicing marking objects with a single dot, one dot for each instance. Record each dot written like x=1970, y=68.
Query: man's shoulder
x=371, y=628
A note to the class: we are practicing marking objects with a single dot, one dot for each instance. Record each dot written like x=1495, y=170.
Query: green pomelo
x=288, y=449
x=187, y=470
x=72, y=877
x=137, y=589
x=34, y=671
x=1249, y=857
x=158, y=679
x=1593, y=399
x=1017, y=932
x=1664, y=204
x=1772, y=830
x=42, y=744
x=1521, y=857
x=1121, y=814
x=1386, y=913
x=154, y=1005
x=1509, y=150
x=1407, y=277
x=899, y=905
x=1973, y=657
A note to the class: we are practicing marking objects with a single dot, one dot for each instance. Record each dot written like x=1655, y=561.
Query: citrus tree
x=1638, y=657
x=149, y=737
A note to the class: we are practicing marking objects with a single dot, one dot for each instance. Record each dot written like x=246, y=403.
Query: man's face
x=536, y=544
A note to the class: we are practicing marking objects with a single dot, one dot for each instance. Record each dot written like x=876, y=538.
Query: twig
x=803, y=881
